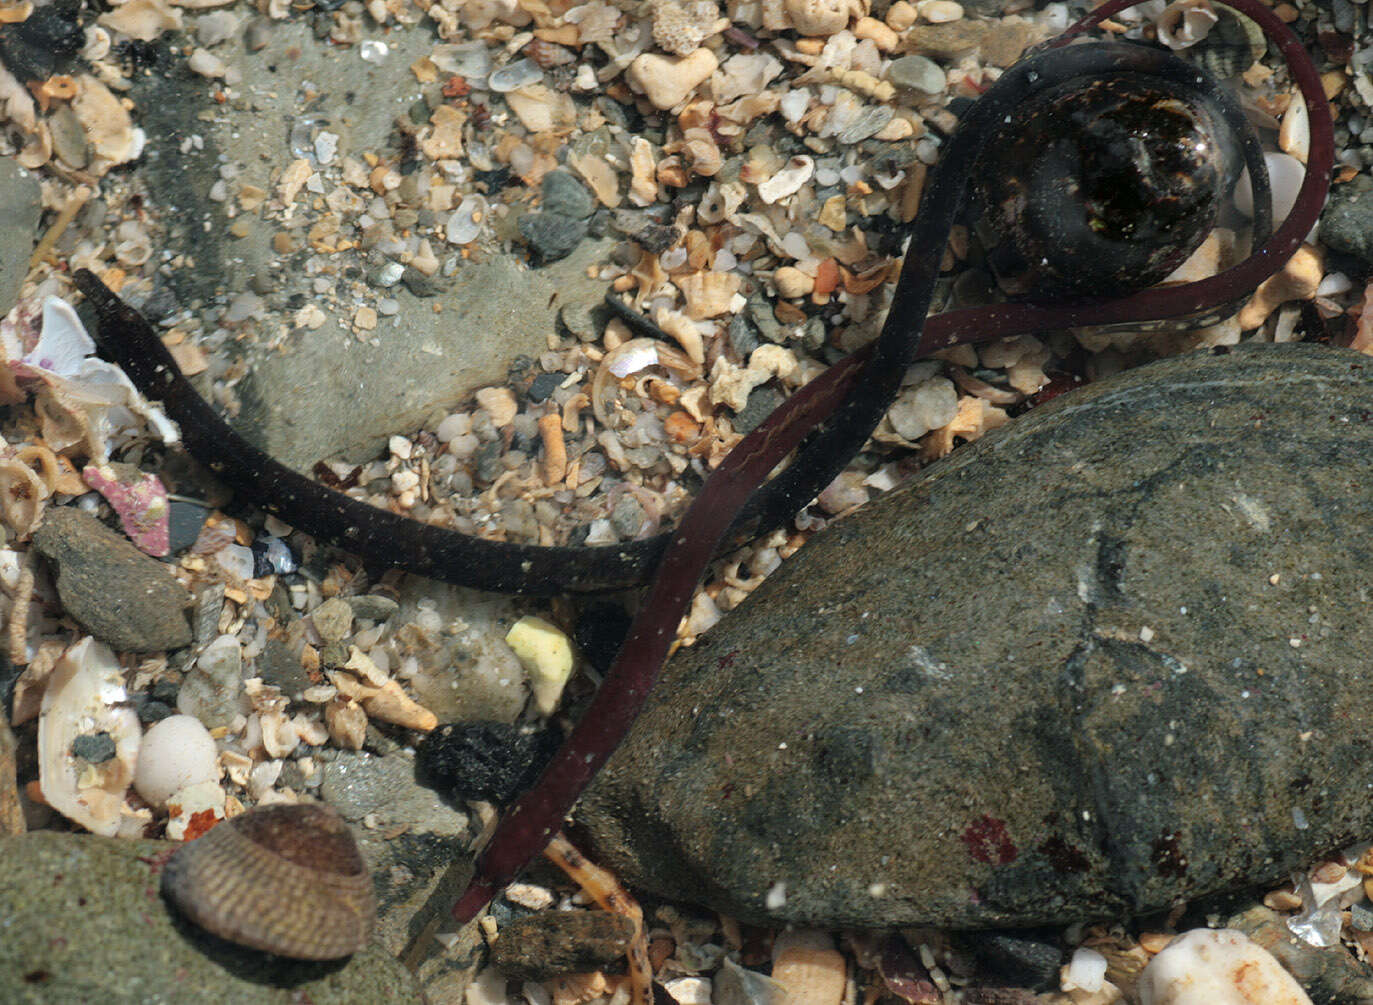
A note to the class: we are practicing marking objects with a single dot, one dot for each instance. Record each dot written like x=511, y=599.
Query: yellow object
x=546, y=654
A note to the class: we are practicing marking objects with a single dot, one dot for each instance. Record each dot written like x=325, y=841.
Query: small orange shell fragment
x=681, y=427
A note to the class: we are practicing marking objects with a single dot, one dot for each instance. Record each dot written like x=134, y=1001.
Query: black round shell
x=288, y=880
x=1100, y=188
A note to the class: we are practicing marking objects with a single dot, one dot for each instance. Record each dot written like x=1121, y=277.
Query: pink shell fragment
x=139, y=498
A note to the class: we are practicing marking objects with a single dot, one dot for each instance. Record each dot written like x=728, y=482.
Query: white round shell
x=176, y=752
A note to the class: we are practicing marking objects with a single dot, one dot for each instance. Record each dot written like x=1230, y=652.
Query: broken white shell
x=788, y=180
x=86, y=695
x=667, y=80
x=143, y=20
x=708, y=293
x=107, y=124
x=1185, y=23
x=821, y=17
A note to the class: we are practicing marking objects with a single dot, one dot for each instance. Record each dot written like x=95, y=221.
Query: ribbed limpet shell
x=288, y=880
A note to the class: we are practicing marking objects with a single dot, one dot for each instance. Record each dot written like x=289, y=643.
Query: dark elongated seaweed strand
x=529, y=824
x=387, y=538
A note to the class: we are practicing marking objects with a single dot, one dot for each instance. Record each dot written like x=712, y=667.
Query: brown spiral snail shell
x=285, y=879
x=1100, y=187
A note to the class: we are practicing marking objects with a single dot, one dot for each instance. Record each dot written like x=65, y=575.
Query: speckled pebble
x=1347, y=221
x=120, y=595
x=552, y=236
x=333, y=619
x=552, y=943
x=917, y=73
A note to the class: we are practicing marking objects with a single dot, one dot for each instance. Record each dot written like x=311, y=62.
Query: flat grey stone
x=125, y=598
x=324, y=393
x=360, y=785
x=83, y=922
x=917, y=73
x=564, y=194
x=1109, y=657
x=20, y=207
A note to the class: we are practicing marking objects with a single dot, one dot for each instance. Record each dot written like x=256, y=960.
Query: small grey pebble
x=564, y=194
x=184, y=521
x=258, y=34
x=743, y=337
x=150, y=712
x=421, y=285
x=628, y=517
x=552, y=236
x=545, y=384
x=161, y=303
x=656, y=238
x=579, y=322
x=94, y=748
x=373, y=607
x=760, y=404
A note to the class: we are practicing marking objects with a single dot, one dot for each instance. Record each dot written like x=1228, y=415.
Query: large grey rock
x=324, y=392
x=1109, y=657
x=83, y=922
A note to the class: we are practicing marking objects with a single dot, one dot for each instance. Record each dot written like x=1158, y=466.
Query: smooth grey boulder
x=1110, y=657
x=83, y=922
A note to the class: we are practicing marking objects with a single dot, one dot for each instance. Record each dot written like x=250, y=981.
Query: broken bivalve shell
x=85, y=697
x=286, y=879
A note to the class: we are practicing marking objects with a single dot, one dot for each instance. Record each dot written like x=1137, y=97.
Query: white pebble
x=930, y=405
x=235, y=560
x=326, y=147
x=939, y=11
x=1085, y=971
x=206, y=63
x=453, y=425
x=1285, y=175
x=1217, y=967
x=176, y=752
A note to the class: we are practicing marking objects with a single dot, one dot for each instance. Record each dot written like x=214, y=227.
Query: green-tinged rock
x=1110, y=657
x=81, y=920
